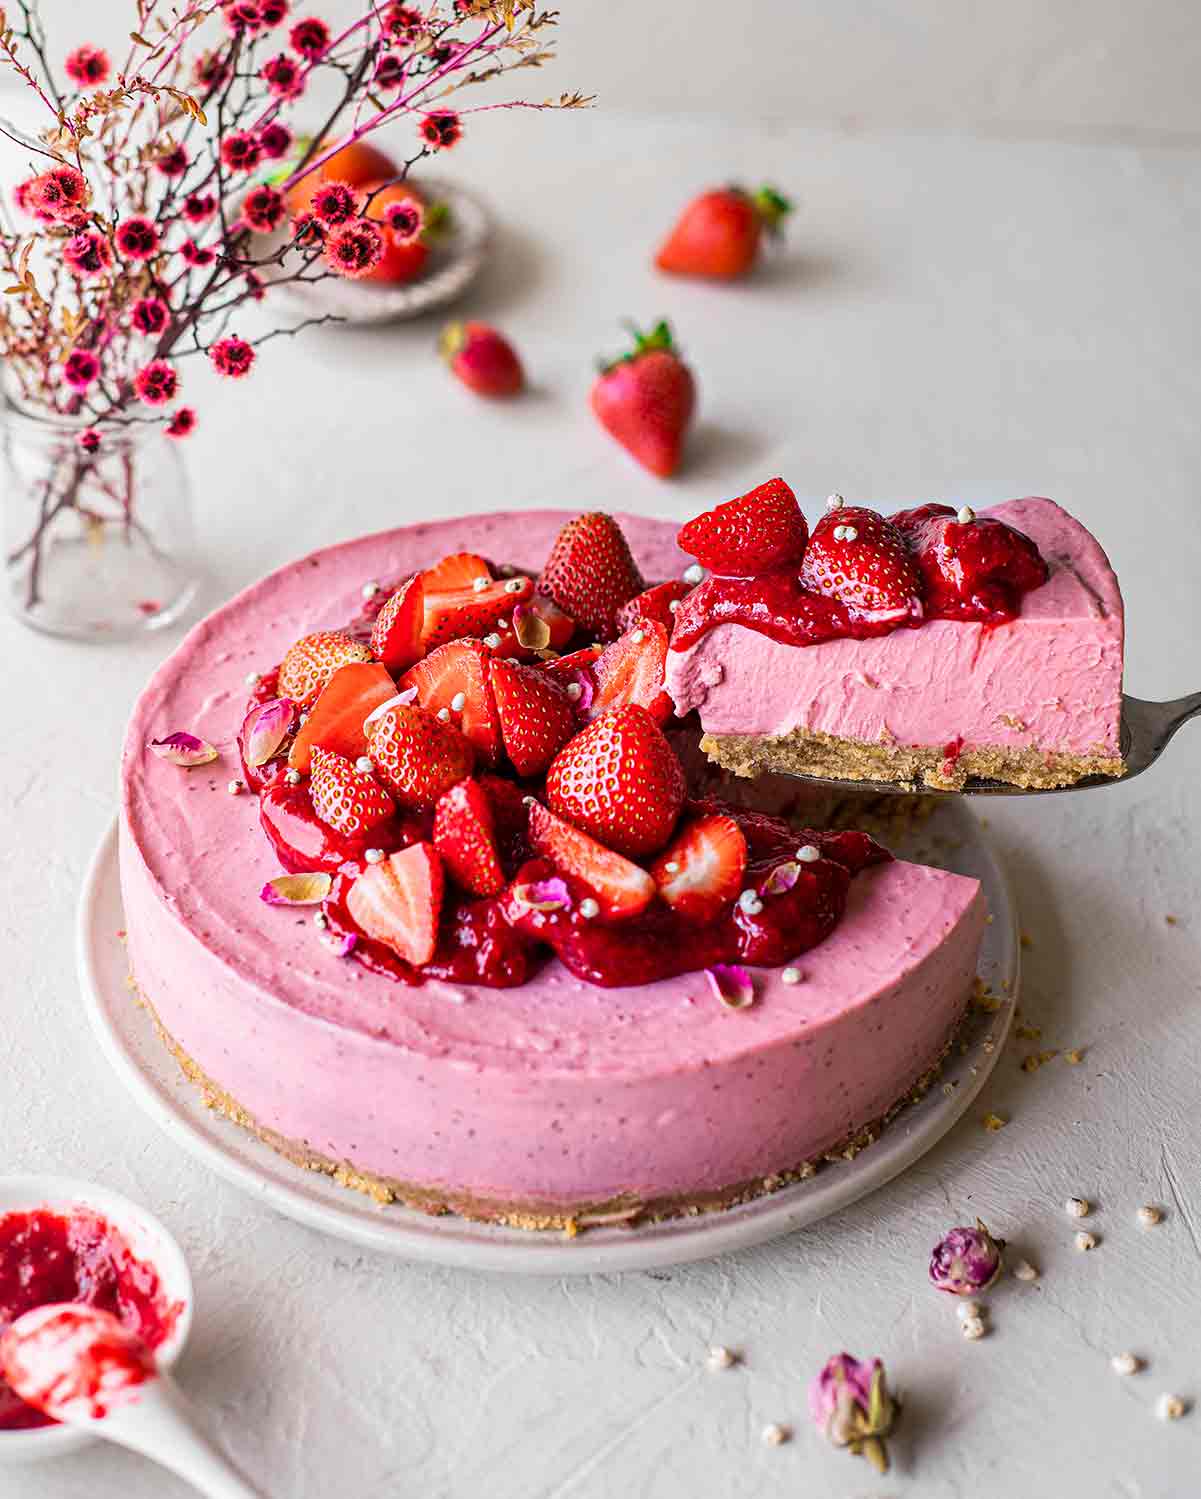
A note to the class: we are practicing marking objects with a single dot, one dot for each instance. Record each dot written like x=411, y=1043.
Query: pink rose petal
x=532, y=631
x=544, y=895
x=401, y=700
x=183, y=749
x=732, y=984
x=782, y=878
x=296, y=889
x=265, y=728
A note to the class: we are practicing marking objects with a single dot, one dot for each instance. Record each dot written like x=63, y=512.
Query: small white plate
x=455, y=259
x=148, y=1240
x=950, y=838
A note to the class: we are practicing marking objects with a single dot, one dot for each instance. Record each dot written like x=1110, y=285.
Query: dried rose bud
x=851, y=1406
x=966, y=1260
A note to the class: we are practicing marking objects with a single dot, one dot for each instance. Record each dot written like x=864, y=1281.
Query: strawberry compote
x=48, y=1257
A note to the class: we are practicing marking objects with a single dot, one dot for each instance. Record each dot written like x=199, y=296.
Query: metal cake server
x=1146, y=730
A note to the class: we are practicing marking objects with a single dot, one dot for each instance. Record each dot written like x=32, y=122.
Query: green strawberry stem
x=772, y=207
x=644, y=343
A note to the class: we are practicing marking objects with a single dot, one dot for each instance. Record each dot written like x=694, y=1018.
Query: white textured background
x=990, y=290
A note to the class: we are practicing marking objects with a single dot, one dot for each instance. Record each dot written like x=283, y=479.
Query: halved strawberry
x=751, y=534
x=460, y=570
x=452, y=613
x=700, y=872
x=335, y=721
x=398, y=902
x=465, y=836
x=454, y=678
x=621, y=888
x=311, y=661
x=619, y=779
x=396, y=634
x=631, y=670
x=535, y=712
x=563, y=668
x=417, y=756
x=535, y=627
x=860, y=559
x=591, y=573
x=654, y=604
x=349, y=800
x=507, y=801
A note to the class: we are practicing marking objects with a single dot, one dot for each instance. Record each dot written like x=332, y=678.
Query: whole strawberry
x=591, y=573
x=483, y=359
x=646, y=399
x=718, y=235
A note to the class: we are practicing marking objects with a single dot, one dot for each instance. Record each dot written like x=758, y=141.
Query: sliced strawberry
x=858, y=558
x=619, y=779
x=464, y=835
x=416, y=755
x=751, y=534
x=700, y=872
x=564, y=667
x=452, y=614
x=310, y=662
x=457, y=571
x=631, y=670
x=396, y=634
x=591, y=573
x=621, y=888
x=507, y=802
x=454, y=679
x=536, y=715
x=349, y=800
x=536, y=627
x=398, y=902
x=656, y=603
x=335, y=721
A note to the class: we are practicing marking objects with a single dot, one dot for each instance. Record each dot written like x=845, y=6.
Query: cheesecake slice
x=1034, y=699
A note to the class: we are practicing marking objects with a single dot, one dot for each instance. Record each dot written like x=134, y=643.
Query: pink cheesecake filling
x=1051, y=678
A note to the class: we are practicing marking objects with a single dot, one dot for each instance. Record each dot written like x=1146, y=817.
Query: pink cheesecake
x=547, y=1103
x=1035, y=700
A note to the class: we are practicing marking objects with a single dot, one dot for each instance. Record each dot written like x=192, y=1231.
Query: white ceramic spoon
x=82, y=1367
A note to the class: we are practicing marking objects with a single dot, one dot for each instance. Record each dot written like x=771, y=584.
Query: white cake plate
x=950, y=838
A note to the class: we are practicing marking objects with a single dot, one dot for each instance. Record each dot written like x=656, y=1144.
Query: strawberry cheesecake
x=926, y=647
x=418, y=889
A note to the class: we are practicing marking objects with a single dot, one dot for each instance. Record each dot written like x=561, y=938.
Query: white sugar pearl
x=1077, y=1207
x=673, y=605
x=1125, y=1363
x=721, y=1358
x=1085, y=1241
x=1149, y=1216
x=693, y=573
x=320, y=920
x=479, y=584
x=750, y=902
x=966, y=1310
x=444, y=714
x=589, y=908
x=966, y=515
x=849, y=533
x=638, y=636
x=808, y=854
x=1169, y=1407
x=292, y=777
x=374, y=856
x=253, y=678
x=839, y=532
x=235, y=787
x=492, y=641
x=834, y=502
x=458, y=702
x=1024, y=1270
x=364, y=765
x=574, y=691
x=369, y=590
x=514, y=585
x=672, y=866
x=775, y=1435
x=973, y=1328
x=791, y=975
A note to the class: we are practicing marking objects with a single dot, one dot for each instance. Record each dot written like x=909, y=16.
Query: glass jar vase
x=97, y=526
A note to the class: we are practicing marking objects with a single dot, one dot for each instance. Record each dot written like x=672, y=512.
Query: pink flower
x=255, y=285
x=263, y=209
x=232, y=357
x=149, y=316
x=405, y=219
x=59, y=194
x=156, y=383
x=355, y=248
x=307, y=229
x=275, y=140
x=334, y=203
x=389, y=72
x=81, y=369
x=402, y=23
x=441, y=129
x=88, y=66
x=87, y=254
x=310, y=37
x=242, y=17
x=240, y=151
x=173, y=163
x=273, y=12
x=282, y=76
x=211, y=70
x=966, y=1261
x=137, y=238
x=25, y=196
x=851, y=1406
x=197, y=255
x=198, y=208
x=182, y=423
x=88, y=439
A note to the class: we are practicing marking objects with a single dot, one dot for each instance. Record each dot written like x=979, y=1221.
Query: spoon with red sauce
x=79, y=1365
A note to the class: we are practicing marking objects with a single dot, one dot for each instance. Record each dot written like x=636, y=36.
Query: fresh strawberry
x=464, y=835
x=754, y=533
x=621, y=888
x=336, y=719
x=535, y=712
x=416, y=755
x=398, y=902
x=646, y=399
x=453, y=613
x=719, y=233
x=700, y=872
x=563, y=668
x=309, y=663
x=591, y=573
x=459, y=570
x=656, y=603
x=396, y=634
x=976, y=567
x=507, y=802
x=860, y=559
x=483, y=359
x=619, y=780
x=536, y=627
x=454, y=678
x=631, y=670
x=349, y=800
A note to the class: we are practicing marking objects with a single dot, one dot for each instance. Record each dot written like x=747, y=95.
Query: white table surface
x=952, y=319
